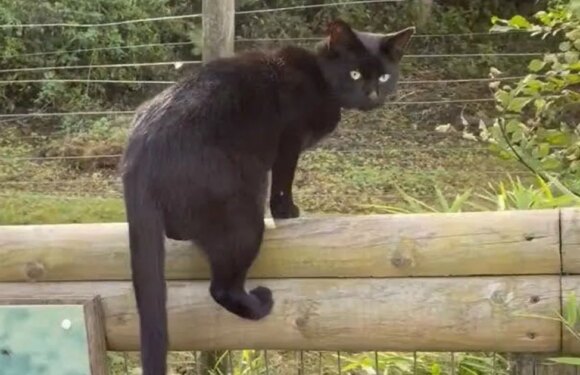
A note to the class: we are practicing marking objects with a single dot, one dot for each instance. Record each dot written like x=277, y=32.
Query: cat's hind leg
x=231, y=245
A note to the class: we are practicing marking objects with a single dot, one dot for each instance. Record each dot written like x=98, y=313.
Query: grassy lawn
x=358, y=166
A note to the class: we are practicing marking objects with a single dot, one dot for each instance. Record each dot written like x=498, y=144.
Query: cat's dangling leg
x=231, y=253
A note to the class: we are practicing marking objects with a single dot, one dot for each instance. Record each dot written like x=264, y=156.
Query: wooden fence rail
x=487, y=281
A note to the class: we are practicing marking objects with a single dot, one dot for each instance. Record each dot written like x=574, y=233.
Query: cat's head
x=362, y=68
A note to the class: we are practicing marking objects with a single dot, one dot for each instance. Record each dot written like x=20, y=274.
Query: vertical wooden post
x=218, y=29
x=424, y=8
x=536, y=364
x=218, y=41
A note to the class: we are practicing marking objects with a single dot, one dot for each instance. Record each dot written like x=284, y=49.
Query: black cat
x=196, y=164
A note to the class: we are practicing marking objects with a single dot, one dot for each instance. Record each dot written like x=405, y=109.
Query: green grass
x=359, y=165
x=25, y=208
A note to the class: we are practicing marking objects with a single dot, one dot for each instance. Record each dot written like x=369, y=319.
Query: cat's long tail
x=146, y=241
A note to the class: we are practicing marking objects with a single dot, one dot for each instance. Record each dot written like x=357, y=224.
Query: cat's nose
x=373, y=95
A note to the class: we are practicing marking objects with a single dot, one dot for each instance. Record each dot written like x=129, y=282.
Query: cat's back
x=237, y=89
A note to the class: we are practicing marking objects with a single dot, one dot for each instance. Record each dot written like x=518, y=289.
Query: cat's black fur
x=195, y=167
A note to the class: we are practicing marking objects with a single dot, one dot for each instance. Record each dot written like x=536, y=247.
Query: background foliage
x=539, y=115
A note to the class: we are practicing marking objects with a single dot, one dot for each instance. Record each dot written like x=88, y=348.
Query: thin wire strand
x=328, y=141
x=197, y=354
x=453, y=372
x=433, y=171
x=70, y=195
x=18, y=116
x=151, y=82
x=115, y=81
x=186, y=16
x=464, y=55
x=64, y=114
x=242, y=40
x=81, y=50
x=177, y=64
x=106, y=24
x=125, y=363
x=318, y=149
x=416, y=36
x=312, y=6
x=230, y=362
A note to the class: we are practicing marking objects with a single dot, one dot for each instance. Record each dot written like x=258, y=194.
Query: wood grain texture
x=490, y=243
x=218, y=28
x=422, y=314
x=534, y=364
x=96, y=335
x=570, y=227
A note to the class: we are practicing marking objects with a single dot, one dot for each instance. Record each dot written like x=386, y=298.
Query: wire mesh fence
x=265, y=362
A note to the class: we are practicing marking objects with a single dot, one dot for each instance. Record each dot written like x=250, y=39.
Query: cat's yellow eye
x=384, y=78
x=355, y=74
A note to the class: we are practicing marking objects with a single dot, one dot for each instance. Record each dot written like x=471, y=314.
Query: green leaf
x=565, y=46
x=495, y=19
x=571, y=57
x=517, y=104
x=574, y=361
x=435, y=369
x=571, y=310
x=536, y=65
x=539, y=104
x=518, y=135
x=519, y=21
x=513, y=126
x=575, y=7
x=557, y=138
x=551, y=164
x=543, y=150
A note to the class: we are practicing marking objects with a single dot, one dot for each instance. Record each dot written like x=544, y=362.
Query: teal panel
x=43, y=340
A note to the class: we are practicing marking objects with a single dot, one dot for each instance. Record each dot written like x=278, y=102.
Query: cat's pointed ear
x=394, y=45
x=341, y=36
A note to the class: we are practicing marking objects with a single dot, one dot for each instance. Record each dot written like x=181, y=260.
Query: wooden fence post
x=537, y=364
x=218, y=28
x=218, y=41
x=424, y=8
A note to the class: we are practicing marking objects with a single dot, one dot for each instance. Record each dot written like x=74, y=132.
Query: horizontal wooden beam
x=482, y=243
x=407, y=314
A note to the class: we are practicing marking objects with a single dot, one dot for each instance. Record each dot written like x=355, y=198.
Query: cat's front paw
x=284, y=209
